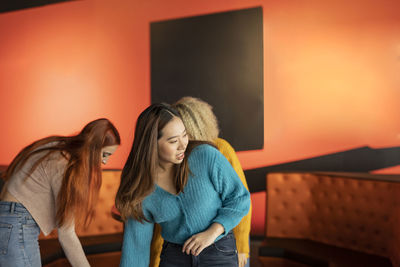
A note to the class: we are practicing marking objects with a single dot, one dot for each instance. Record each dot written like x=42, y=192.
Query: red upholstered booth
x=332, y=219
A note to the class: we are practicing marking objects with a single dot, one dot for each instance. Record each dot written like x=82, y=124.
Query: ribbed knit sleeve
x=234, y=196
x=242, y=230
x=136, y=244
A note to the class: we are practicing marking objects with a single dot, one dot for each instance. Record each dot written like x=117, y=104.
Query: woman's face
x=173, y=143
x=106, y=152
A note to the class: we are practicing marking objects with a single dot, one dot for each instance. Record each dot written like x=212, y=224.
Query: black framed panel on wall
x=218, y=58
x=13, y=5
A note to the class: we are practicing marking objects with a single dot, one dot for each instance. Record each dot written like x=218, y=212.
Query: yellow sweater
x=241, y=231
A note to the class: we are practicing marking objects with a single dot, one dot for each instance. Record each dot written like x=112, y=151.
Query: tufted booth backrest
x=336, y=209
x=102, y=222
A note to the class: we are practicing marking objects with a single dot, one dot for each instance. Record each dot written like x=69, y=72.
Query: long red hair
x=82, y=177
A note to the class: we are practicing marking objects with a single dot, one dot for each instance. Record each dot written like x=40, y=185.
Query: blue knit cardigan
x=214, y=193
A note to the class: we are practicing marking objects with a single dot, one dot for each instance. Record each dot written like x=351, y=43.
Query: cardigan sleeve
x=136, y=244
x=242, y=230
x=235, y=197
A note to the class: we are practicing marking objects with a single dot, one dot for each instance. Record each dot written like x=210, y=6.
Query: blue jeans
x=18, y=236
x=222, y=253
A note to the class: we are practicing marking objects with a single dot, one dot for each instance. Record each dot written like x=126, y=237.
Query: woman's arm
x=242, y=230
x=72, y=246
x=66, y=234
x=136, y=244
x=234, y=195
x=156, y=246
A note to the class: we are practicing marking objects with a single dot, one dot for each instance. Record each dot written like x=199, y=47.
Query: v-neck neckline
x=167, y=192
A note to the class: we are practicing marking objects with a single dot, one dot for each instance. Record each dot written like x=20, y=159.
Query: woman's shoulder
x=226, y=149
x=205, y=153
x=219, y=142
x=54, y=165
x=223, y=145
x=56, y=158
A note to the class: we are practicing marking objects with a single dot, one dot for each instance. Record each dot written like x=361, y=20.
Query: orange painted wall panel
x=331, y=72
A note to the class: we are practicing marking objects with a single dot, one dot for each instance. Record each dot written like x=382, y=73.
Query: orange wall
x=331, y=73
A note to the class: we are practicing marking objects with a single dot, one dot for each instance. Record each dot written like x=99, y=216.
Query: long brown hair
x=137, y=178
x=82, y=177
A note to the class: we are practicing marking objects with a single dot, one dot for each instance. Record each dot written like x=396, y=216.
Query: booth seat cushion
x=94, y=246
x=355, y=213
x=311, y=253
x=108, y=259
x=279, y=262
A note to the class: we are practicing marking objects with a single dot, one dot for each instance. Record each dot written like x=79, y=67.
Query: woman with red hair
x=53, y=183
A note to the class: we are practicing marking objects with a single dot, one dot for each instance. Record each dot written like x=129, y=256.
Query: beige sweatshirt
x=38, y=193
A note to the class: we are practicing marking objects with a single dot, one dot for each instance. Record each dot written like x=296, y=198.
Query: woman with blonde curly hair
x=201, y=124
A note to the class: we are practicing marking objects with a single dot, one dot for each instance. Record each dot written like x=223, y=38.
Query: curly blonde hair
x=198, y=118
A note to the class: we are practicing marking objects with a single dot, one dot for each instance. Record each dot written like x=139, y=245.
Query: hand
x=242, y=259
x=195, y=244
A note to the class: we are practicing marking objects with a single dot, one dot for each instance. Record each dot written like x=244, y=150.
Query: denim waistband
x=12, y=207
x=228, y=236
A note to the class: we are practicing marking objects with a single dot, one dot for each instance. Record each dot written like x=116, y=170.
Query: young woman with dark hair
x=202, y=125
x=53, y=183
x=186, y=187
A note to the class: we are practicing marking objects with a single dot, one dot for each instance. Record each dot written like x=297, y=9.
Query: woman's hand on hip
x=195, y=244
x=242, y=257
